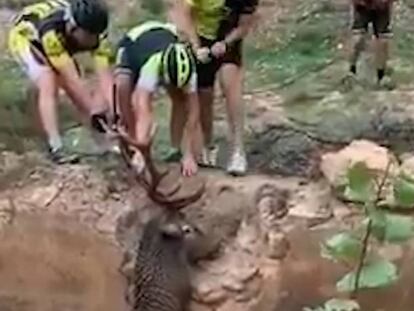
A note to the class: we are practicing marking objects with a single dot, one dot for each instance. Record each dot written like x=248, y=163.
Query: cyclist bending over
x=150, y=56
x=43, y=39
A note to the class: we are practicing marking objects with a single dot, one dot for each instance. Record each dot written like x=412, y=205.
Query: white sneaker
x=237, y=164
x=209, y=156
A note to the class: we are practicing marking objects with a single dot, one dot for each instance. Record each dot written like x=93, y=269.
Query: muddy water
x=309, y=280
x=53, y=264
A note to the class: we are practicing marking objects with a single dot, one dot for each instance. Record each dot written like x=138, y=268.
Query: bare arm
x=76, y=88
x=192, y=128
x=246, y=23
x=144, y=117
x=181, y=14
x=123, y=102
x=69, y=77
x=106, y=81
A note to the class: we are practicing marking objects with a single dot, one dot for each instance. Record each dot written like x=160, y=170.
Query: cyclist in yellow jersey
x=43, y=39
x=150, y=56
x=218, y=27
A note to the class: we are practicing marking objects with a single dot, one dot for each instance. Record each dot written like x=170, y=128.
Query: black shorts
x=380, y=19
x=206, y=73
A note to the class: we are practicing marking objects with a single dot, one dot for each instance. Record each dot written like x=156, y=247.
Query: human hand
x=219, y=49
x=203, y=54
x=189, y=166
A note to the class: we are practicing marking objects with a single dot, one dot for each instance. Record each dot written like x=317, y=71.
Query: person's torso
x=37, y=12
x=212, y=14
x=49, y=18
x=147, y=42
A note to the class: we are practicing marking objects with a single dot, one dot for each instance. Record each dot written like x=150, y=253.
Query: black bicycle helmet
x=90, y=15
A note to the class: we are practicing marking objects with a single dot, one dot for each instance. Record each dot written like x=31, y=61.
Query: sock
x=353, y=69
x=380, y=74
x=55, y=142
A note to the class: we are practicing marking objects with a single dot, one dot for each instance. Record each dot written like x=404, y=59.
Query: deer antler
x=128, y=147
x=155, y=176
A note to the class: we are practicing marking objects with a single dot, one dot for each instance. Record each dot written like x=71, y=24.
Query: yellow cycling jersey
x=42, y=27
x=215, y=17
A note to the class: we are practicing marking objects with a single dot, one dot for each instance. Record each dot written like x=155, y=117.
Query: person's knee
x=206, y=96
x=231, y=79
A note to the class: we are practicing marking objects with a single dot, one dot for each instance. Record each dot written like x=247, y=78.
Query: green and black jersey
x=140, y=54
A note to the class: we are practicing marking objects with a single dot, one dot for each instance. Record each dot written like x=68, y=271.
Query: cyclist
x=150, y=55
x=43, y=39
x=377, y=12
x=218, y=26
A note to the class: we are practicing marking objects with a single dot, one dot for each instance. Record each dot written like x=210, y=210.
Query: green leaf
x=404, y=191
x=391, y=228
x=342, y=305
x=379, y=224
x=360, y=183
x=398, y=228
x=342, y=247
x=374, y=275
x=336, y=305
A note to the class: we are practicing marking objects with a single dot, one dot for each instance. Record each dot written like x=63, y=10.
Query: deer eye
x=187, y=229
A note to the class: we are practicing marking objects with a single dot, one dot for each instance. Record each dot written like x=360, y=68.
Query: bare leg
x=206, y=97
x=47, y=88
x=356, y=48
x=231, y=80
x=381, y=55
x=178, y=117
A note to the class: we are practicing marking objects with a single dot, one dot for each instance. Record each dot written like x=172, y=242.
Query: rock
x=392, y=252
x=277, y=245
x=288, y=152
x=341, y=210
x=311, y=201
x=334, y=165
x=407, y=166
x=207, y=290
x=268, y=297
x=7, y=212
x=232, y=285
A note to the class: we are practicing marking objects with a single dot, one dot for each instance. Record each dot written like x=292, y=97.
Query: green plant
x=356, y=248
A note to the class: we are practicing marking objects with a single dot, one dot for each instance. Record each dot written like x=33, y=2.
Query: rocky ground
x=261, y=233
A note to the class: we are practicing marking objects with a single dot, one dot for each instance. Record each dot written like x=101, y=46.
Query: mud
x=309, y=280
x=51, y=263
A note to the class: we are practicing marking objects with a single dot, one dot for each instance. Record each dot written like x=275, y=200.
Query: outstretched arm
x=69, y=78
x=123, y=101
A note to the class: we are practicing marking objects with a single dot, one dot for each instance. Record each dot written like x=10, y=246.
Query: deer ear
x=172, y=230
